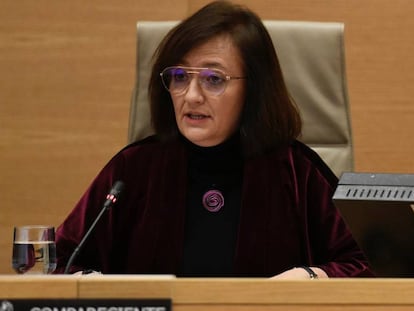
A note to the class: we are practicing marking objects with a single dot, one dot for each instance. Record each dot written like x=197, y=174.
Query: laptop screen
x=379, y=210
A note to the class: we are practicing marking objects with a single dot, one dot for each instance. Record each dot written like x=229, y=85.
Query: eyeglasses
x=213, y=81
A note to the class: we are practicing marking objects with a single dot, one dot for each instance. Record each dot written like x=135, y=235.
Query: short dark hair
x=269, y=117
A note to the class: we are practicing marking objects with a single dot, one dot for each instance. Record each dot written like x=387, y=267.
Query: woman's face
x=204, y=118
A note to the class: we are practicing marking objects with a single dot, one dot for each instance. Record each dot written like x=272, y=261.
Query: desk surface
x=221, y=293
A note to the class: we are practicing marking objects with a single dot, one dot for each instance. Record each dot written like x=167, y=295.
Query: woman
x=223, y=188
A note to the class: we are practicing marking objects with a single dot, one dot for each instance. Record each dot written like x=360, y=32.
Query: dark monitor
x=379, y=210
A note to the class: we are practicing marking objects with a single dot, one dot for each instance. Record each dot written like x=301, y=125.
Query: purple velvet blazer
x=287, y=217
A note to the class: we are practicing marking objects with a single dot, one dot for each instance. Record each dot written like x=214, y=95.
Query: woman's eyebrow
x=207, y=64
x=213, y=65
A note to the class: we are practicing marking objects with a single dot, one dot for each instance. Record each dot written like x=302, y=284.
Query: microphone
x=111, y=198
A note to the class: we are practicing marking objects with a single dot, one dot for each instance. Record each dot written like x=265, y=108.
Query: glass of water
x=34, y=249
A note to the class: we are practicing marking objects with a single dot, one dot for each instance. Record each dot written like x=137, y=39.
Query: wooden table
x=202, y=294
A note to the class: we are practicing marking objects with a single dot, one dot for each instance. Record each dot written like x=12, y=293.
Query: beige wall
x=67, y=70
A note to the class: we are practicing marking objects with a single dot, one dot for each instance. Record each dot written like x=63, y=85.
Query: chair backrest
x=313, y=63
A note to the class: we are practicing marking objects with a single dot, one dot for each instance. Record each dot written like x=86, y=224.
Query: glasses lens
x=175, y=79
x=212, y=81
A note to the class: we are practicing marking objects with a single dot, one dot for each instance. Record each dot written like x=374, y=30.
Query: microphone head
x=115, y=193
x=118, y=187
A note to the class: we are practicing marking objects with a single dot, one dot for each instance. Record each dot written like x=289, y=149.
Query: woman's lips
x=196, y=116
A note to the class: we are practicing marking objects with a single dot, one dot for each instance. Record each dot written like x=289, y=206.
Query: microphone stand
x=111, y=199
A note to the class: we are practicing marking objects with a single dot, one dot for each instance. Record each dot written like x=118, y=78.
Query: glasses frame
x=197, y=71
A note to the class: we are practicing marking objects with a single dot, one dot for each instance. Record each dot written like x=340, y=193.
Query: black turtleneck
x=210, y=237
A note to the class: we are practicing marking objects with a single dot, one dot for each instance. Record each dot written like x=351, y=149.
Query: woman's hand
x=300, y=274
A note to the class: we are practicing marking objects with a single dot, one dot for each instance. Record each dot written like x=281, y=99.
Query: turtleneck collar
x=223, y=157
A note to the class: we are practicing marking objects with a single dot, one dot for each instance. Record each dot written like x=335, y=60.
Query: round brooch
x=213, y=200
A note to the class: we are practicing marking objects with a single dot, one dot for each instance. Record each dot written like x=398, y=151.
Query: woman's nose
x=194, y=91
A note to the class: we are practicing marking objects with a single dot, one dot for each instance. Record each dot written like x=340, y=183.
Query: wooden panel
x=42, y=286
x=271, y=291
x=67, y=70
x=126, y=286
x=200, y=294
x=290, y=307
